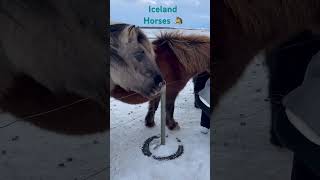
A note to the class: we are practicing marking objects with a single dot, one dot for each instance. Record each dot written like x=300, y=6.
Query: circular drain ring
x=146, y=150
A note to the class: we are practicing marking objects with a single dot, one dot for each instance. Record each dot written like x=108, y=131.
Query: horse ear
x=132, y=33
x=131, y=29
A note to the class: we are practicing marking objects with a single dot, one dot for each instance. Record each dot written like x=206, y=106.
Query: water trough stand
x=146, y=149
x=163, y=116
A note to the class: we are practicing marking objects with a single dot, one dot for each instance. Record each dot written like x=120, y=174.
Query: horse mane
x=192, y=51
x=263, y=18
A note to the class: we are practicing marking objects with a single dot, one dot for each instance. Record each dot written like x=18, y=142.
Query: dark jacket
x=203, y=100
x=303, y=103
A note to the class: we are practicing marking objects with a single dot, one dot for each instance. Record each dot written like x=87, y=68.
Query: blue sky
x=195, y=13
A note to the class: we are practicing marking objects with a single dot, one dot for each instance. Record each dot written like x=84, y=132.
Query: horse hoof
x=150, y=124
x=174, y=126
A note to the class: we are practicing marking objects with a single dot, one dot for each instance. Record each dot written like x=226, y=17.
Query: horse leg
x=171, y=123
x=153, y=106
x=170, y=100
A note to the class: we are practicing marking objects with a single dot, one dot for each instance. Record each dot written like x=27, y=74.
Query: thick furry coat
x=243, y=27
x=60, y=44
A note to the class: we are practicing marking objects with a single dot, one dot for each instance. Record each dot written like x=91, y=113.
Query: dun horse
x=179, y=57
x=132, y=62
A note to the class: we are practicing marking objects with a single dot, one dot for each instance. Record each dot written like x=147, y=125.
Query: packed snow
x=128, y=134
x=242, y=149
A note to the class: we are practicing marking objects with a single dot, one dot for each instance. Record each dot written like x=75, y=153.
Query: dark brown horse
x=179, y=57
x=245, y=27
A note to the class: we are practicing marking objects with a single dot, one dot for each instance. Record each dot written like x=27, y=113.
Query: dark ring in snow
x=146, y=150
x=171, y=157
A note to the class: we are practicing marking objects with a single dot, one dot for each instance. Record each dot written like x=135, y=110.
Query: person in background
x=202, y=100
x=199, y=82
x=295, y=102
x=302, y=107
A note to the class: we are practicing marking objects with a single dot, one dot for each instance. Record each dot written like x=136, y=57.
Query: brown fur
x=177, y=71
x=243, y=27
x=59, y=44
x=263, y=18
x=192, y=51
x=52, y=53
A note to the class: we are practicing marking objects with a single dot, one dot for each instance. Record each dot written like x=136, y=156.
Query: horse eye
x=139, y=55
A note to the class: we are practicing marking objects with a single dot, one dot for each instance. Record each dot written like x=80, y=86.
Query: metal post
x=163, y=116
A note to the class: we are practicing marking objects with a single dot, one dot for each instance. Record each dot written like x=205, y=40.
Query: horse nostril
x=158, y=80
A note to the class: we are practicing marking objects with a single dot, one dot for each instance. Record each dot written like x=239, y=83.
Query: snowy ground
x=128, y=134
x=30, y=153
x=39, y=148
x=241, y=147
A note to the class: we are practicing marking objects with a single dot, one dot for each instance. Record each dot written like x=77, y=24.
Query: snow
x=242, y=149
x=128, y=134
x=37, y=153
x=169, y=148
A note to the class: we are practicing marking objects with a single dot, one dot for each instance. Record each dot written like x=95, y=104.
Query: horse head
x=132, y=62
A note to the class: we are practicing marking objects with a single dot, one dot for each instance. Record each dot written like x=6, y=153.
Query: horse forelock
x=144, y=41
x=116, y=29
x=192, y=51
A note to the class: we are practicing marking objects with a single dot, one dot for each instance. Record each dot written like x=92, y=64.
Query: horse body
x=246, y=27
x=179, y=57
x=59, y=44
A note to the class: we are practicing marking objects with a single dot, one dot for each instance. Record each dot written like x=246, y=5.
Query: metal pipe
x=163, y=116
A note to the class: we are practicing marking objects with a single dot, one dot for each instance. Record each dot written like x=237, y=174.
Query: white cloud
x=193, y=2
x=197, y=2
x=168, y=2
x=154, y=2
x=148, y=1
